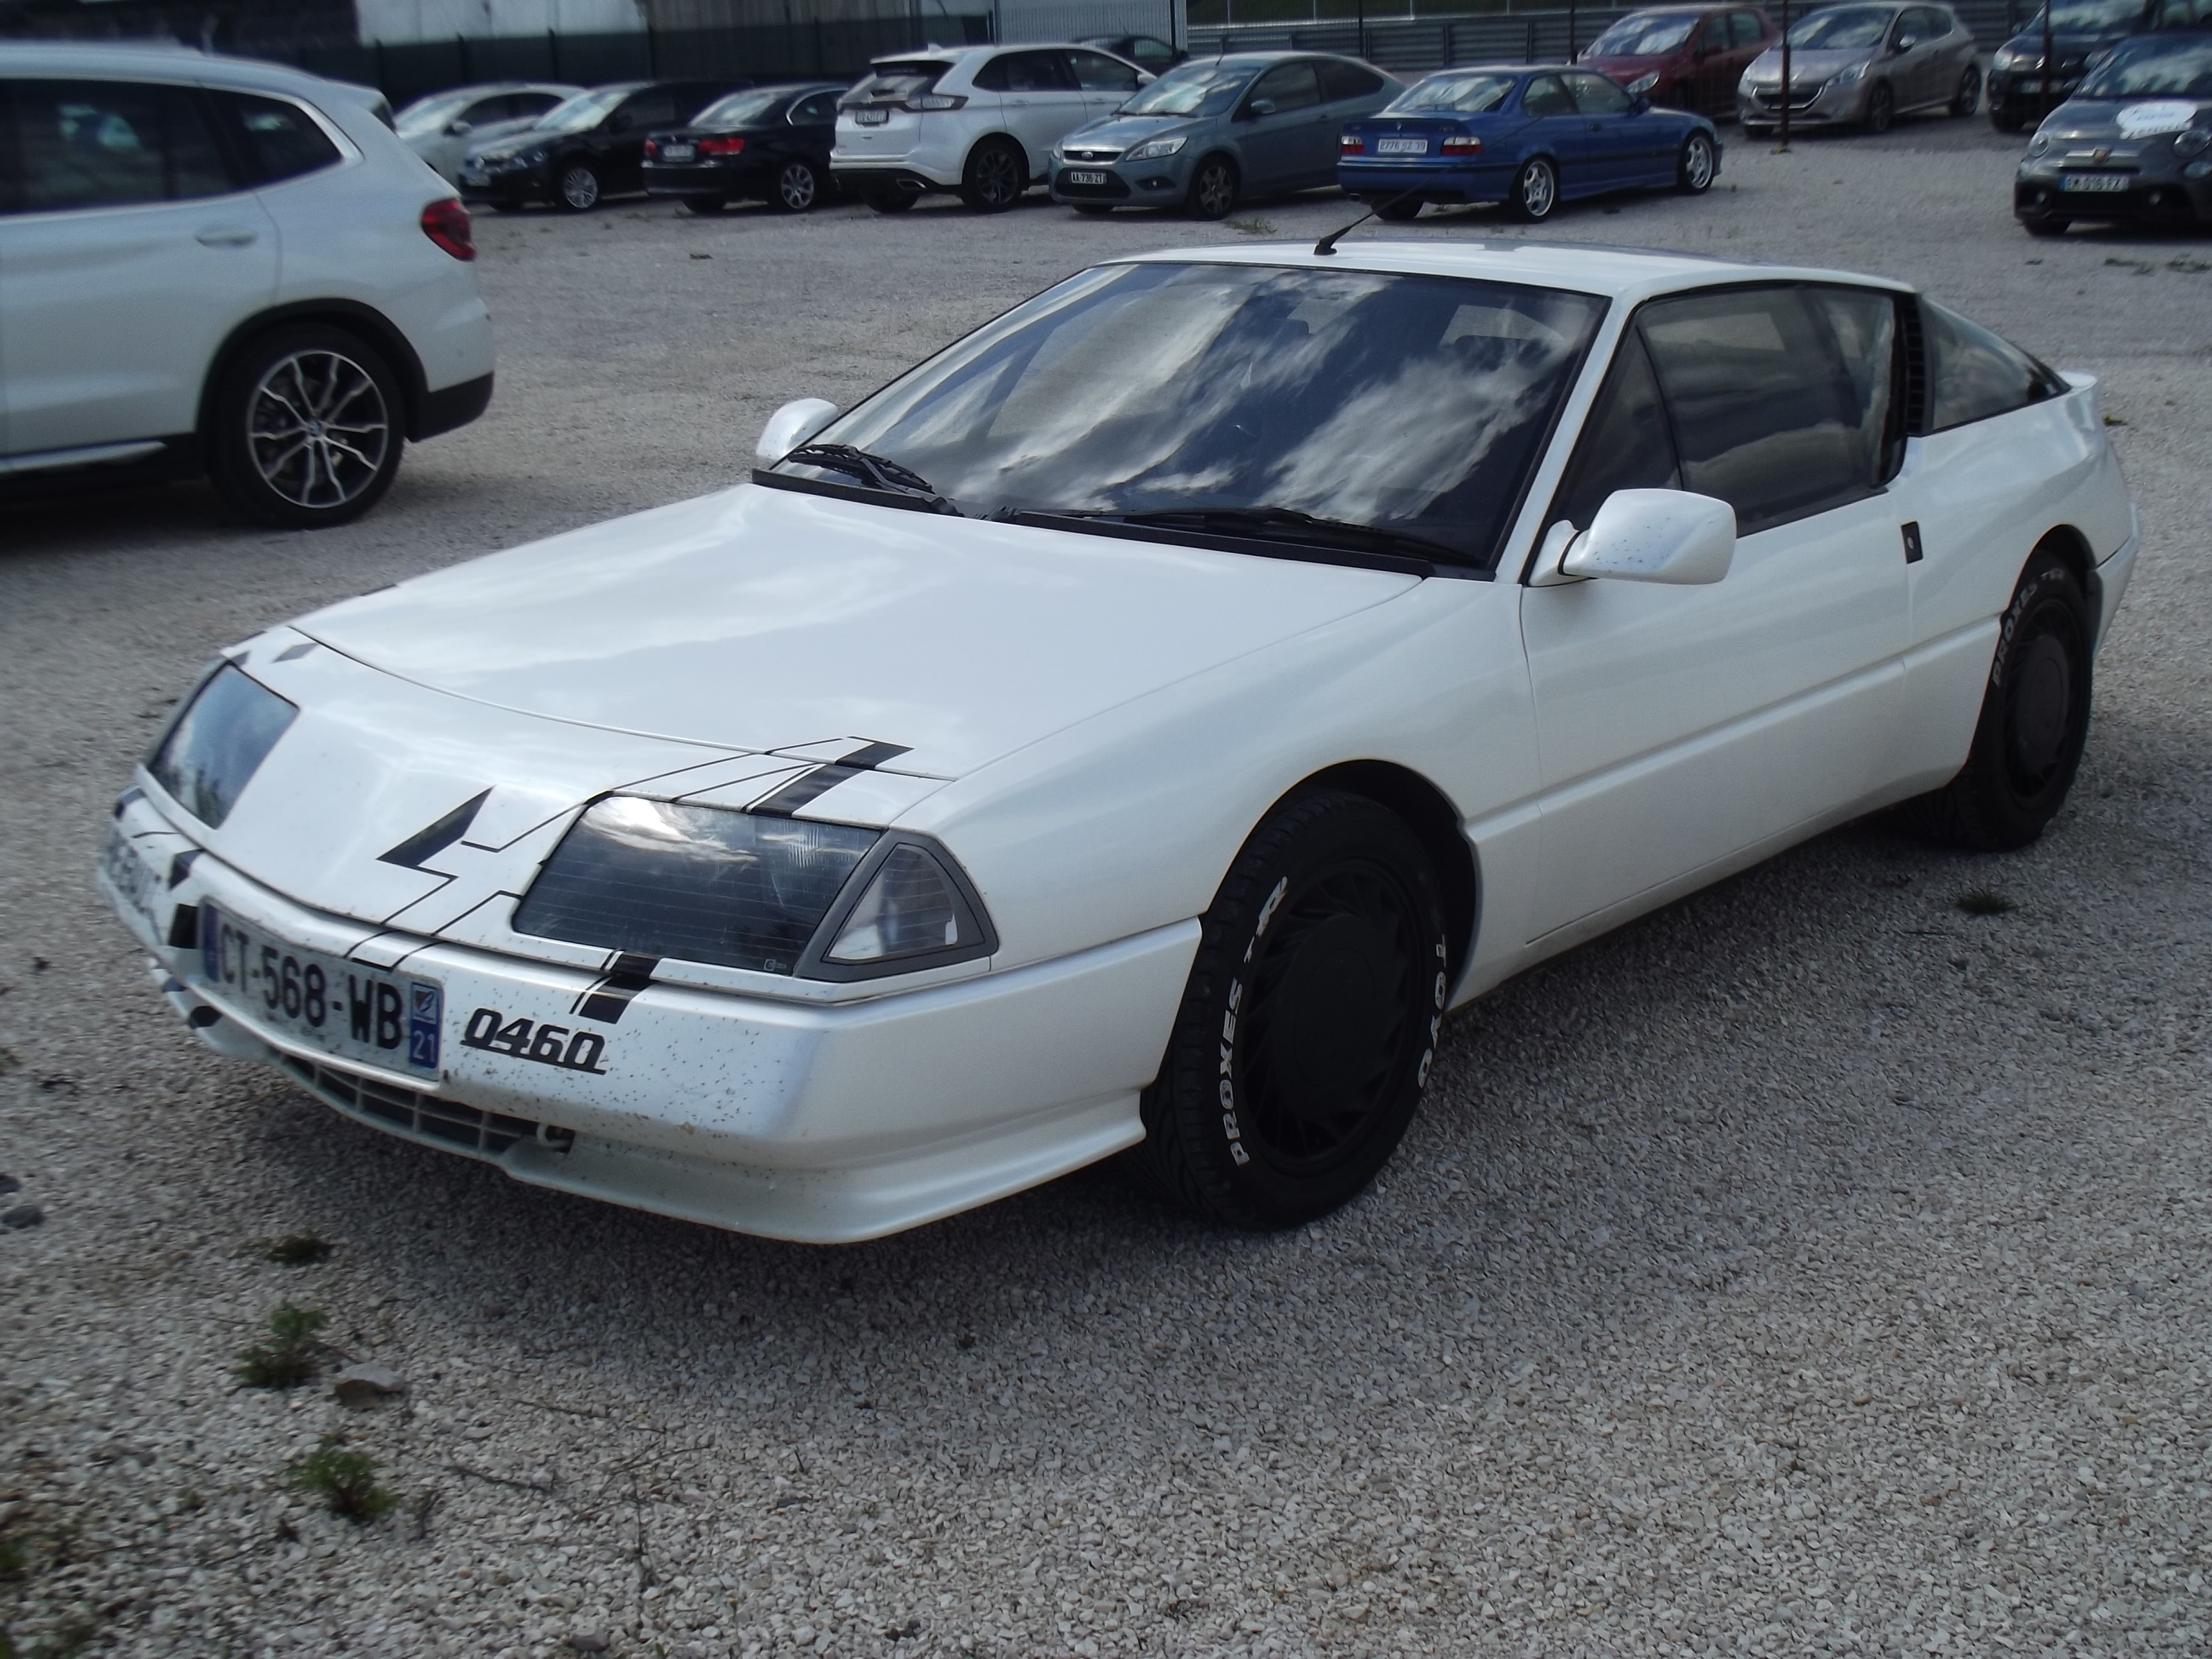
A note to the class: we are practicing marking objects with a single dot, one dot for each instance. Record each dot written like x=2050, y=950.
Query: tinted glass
x=650, y=109
x=1779, y=397
x=1744, y=27
x=101, y=143
x=2175, y=67
x=738, y=109
x=1595, y=94
x=585, y=110
x=1625, y=443
x=429, y=114
x=1842, y=29
x=1462, y=91
x=1206, y=88
x=532, y=103
x=1288, y=87
x=1972, y=374
x=815, y=109
x=220, y=741
x=1099, y=73
x=1348, y=81
x=282, y=139
x=486, y=109
x=1545, y=95
x=890, y=82
x=1643, y=37
x=1032, y=71
x=1153, y=54
x=1415, y=403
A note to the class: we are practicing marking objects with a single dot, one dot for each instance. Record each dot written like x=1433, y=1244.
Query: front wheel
x=2034, y=719
x=1881, y=108
x=797, y=187
x=995, y=178
x=1969, y=96
x=1535, y=191
x=1693, y=169
x=579, y=187
x=1309, y=1022
x=306, y=428
x=1212, y=189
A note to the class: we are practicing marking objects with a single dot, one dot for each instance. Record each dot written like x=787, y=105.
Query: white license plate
x=871, y=118
x=679, y=152
x=1402, y=147
x=131, y=876
x=1075, y=177
x=474, y=178
x=351, y=1012
x=2096, y=181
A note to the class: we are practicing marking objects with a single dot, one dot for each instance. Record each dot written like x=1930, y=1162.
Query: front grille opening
x=447, y=1122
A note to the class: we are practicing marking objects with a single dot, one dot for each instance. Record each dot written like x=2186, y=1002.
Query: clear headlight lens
x=1152, y=149
x=2195, y=142
x=219, y=742
x=1848, y=76
x=913, y=907
x=2040, y=142
x=1644, y=83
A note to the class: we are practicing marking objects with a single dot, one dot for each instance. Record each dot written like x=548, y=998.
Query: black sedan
x=586, y=149
x=770, y=144
x=2134, y=144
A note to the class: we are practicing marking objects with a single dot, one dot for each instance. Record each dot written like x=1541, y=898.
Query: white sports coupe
x=1130, y=730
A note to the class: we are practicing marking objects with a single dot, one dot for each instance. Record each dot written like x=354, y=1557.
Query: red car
x=1688, y=57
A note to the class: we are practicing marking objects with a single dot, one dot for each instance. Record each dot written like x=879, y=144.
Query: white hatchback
x=443, y=127
x=981, y=121
x=210, y=265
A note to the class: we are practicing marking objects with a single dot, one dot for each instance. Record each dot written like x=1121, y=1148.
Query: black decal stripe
x=434, y=839
x=181, y=865
x=869, y=757
x=625, y=977
x=786, y=798
x=124, y=801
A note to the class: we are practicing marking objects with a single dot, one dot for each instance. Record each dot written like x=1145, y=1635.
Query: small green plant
x=346, y=1480
x=1981, y=902
x=298, y=1250
x=1253, y=225
x=288, y=1358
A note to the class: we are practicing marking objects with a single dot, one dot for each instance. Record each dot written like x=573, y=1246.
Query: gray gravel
x=1812, y=1268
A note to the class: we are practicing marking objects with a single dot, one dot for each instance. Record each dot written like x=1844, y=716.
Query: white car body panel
x=1090, y=727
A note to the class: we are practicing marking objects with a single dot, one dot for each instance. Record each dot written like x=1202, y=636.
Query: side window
x=1746, y=29
x=1779, y=397
x=654, y=108
x=815, y=110
x=1341, y=80
x=531, y=103
x=1939, y=23
x=1625, y=443
x=1036, y=72
x=991, y=77
x=1096, y=72
x=1288, y=87
x=1545, y=96
x=1972, y=374
x=486, y=109
x=1597, y=94
x=102, y=143
x=1157, y=56
x=282, y=140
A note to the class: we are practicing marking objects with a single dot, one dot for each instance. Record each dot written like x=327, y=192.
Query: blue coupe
x=1531, y=136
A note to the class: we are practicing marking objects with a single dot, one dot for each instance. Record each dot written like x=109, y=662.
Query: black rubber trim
x=184, y=927
x=453, y=406
x=813, y=962
x=838, y=492
x=1259, y=546
x=434, y=838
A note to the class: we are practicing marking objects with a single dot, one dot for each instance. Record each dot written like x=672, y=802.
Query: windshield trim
x=1260, y=546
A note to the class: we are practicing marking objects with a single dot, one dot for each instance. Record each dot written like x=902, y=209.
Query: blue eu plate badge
x=425, y=1005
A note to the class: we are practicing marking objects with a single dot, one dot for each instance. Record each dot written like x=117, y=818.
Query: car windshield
x=2151, y=68
x=1462, y=95
x=2088, y=17
x=1643, y=37
x=1410, y=405
x=584, y=111
x=1193, y=90
x=1845, y=28
x=429, y=114
x=739, y=109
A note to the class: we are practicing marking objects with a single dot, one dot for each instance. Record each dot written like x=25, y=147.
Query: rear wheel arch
x=351, y=315
x=1429, y=813
x=2072, y=549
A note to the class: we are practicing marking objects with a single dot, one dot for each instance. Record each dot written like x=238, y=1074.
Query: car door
x=1279, y=125
x=1039, y=102
x=619, y=147
x=1107, y=83
x=1616, y=144
x=130, y=251
x=1681, y=728
x=1559, y=127
x=1711, y=52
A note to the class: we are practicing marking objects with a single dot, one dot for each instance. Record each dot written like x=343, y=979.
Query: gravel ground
x=1812, y=1268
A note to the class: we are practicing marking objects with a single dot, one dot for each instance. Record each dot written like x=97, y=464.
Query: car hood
x=1805, y=67
x=763, y=618
x=1125, y=130
x=2122, y=121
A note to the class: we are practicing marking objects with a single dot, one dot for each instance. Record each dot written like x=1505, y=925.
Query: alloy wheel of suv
x=306, y=428
x=796, y=189
x=995, y=178
x=579, y=187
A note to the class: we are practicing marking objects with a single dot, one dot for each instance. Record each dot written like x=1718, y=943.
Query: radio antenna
x=1326, y=246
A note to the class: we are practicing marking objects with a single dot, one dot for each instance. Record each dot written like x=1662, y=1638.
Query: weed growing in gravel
x=298, y=1250
x=346, y=1480
x=1254, y=226
x=1981, y=902
x=65, y=1641
x=288, y=1358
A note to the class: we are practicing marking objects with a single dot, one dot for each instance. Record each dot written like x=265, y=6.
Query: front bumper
x=1828, y=104
x=512, y=185
x=2020, y=91
x=813, y=1122
x=2164, y=195
x=1163, y=181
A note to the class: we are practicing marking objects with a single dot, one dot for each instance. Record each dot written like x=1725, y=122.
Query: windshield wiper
x=877, y=470
x=1285, y=523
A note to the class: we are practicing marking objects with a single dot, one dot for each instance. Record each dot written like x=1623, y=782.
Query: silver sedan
x=1862, y=65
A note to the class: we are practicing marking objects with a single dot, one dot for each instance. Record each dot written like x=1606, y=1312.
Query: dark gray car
x=1215, y=131
x=1864, y=66
x=2133, y=144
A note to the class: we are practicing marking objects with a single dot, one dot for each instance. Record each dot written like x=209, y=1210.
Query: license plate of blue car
x=1402, y=147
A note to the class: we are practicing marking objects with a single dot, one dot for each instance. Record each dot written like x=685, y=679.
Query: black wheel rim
x=2043, y=703
x=1878, y=114
x=1331, y=1027
x=995, y=178
x=1216, y=190
x=580, y=187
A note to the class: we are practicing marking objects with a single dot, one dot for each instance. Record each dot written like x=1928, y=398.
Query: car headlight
x=1644, y=83
x=2195, y=142
x=1152, y=149
x=2007, y=57
x=2040, y=142
x=217, y=743
x=745, y=889
x=1848, y=76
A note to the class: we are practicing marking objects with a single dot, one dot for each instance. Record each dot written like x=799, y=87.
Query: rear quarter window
x=1972, y=374
x=280, y=140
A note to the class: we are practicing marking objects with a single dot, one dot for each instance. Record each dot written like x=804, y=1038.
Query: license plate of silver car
x=871, y=118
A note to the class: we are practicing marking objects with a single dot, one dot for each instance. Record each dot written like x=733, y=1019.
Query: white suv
x=978, y=120
x=213, y=266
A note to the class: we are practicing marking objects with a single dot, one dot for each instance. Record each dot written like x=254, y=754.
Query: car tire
x=577, y=186
x=1693, y=168
x=1535, y=191
x=306, y=428
x=1881, y=108
x=2034, y=719
x=797, y=187
x=2045, y=225
x=1309, y=1021
x=1398, y=210
x=1969, y=98
x=1214, y=188
x=996, y=175
x=892, y=201
x=704, y=205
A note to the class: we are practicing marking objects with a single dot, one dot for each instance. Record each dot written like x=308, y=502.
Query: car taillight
x=929, y=100
x=1351, y=144
x=446, y=223
x=721, y=146
x=1462, y=145
x=653, y=149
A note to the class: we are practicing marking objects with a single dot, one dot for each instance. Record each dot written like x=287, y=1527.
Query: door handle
x=226, y=236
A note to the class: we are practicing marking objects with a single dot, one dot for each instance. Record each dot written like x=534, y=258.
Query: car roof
x=167, y=61
x=1499, y=68
x=1622, y=273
